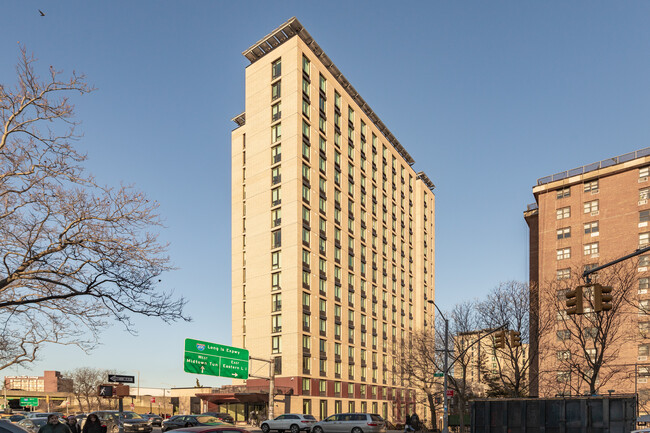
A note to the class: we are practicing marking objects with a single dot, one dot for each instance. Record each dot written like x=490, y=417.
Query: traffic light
x=105, y=391
x=574, y=301
x=515, y=339
x=602, y=298
x=500, y=339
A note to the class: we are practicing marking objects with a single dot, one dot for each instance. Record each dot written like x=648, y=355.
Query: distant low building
x=51, y=381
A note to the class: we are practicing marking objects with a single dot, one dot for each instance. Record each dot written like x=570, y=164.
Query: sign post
x=202, y=357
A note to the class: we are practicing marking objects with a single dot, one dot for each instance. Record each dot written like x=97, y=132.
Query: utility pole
x=445, y=425
x=271, y=379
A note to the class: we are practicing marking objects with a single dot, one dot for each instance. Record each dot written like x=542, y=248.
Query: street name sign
x=119, y=378
x=438, y=374
x=28, y=401
x=202, y=357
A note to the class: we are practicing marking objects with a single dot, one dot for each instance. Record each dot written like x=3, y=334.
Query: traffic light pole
x=586, y=274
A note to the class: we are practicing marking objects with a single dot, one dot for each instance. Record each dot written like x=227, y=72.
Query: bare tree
x=86, y=381
x=509, y=303
x=582, y=353
x=74, y=254
x=419, y=360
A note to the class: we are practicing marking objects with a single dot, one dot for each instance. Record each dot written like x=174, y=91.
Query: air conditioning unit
x=643, y=291
x=642, y=202
x=595, y=256
x=642, y=380
x=642, y=269
x=594, y=213
x=594, y=191
x=643, y=179
x=643, y=358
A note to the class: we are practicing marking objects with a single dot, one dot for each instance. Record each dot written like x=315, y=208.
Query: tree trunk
x=432, y=408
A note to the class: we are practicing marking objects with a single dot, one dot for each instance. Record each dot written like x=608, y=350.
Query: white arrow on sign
x=235, y=374
x=121, y=379
x=202, y=368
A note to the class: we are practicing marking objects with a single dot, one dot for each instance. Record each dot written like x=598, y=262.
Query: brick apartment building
x=332, y=233
x=583, y=218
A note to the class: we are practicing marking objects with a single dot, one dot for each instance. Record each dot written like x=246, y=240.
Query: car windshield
x=40, y=422
x=131, y=415
x=309, y=417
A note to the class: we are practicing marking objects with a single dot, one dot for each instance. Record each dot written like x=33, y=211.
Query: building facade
x=332, y=233
x=51, y=381
x=581, y=219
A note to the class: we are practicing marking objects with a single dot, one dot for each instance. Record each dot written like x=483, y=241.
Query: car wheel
x=265, y=428
x=295, y=428
x=317, y=430
x=357, y=430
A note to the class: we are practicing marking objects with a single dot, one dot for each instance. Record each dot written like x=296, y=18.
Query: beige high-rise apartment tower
x=332, y=234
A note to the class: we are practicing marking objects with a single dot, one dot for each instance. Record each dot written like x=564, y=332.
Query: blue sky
x=486, y=96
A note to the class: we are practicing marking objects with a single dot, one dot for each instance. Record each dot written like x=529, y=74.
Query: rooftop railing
x=595, y=166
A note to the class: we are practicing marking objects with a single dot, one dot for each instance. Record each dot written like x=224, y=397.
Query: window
x=337, y=100
x=276, y=69
x=275, y=260
x=322, y=83
x=305, y=129
x=276, y=154
x=563, y=355
x=644, y=350
x=564, y=192
x=644, y=193
x=276, y=344
x=644, y=172
x=276, y=239
x=276, y=302
x=305, y=193
x=591, y=207
x=275, y=196
x=644, y=239
x=276, y=323
x=276, y=176
x=591, y=227
x=275, y=91
x=590, y=332
x=276, y=217
x=644, y=216
x=275, y=281
x=644, y=328
x=350, y=114
x=563, y=334
x=563, y=213
x=564, y=233
x=276, y=112
x=305, y=87
x=276, y=133
x=644, y=261
x=644, y=306
x=305, y=65
x=591, y=186
x=306, y=321
x=306, y=343
x=591, y=248
x=563, y=274
x=305, y=108
x=305, y=385
x=564, y=253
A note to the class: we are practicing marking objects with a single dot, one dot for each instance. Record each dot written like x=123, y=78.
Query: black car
x=179, y=421
x=131, y=421
x=32, y=425
x=7, y=426
x=221, y=416
x=153, y=419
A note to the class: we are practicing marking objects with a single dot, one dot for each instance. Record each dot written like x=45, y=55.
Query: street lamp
x=445, y=427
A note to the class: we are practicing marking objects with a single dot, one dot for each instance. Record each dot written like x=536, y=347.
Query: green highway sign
x=202, y=357
x=28, y=401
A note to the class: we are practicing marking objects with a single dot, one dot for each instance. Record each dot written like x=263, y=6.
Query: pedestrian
x=73, y=425
x=415, y=421
x=407, y=424
x=93, y=425
x=54, y=426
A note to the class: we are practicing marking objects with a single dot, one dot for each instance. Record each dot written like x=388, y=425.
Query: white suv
x=295, y=422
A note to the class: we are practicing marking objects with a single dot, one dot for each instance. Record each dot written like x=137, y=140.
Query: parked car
x=7, y=426
x=131, y=421
x=226, y=428
x=32, y=425
x=295, y=422
x=179, y=421
x=351, y=422
x=45, y=414
x=152, y=419
x=221, y=416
